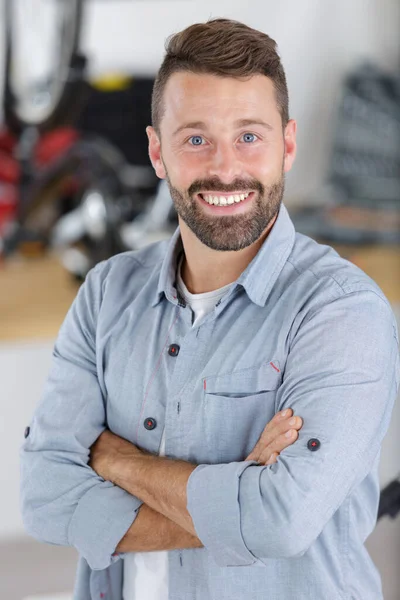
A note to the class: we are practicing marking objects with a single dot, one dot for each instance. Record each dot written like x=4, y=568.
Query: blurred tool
x=390, y=499
x=78, y=156
x=361, y=199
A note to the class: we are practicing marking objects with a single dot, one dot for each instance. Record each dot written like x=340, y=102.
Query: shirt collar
x=259, y=276
x=167, y=279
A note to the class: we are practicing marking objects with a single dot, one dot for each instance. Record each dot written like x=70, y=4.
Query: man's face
x=223, y=153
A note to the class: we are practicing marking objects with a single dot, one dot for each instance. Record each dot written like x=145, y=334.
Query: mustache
x=215, y=185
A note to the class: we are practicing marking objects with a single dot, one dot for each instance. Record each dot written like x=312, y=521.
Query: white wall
x=23, y=370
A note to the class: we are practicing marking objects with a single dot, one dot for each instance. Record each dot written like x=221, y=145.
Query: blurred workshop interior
x=77, y=186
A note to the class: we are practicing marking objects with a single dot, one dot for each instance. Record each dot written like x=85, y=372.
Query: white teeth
x=224, y=200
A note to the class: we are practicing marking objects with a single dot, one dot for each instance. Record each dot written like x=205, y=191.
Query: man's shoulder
x=118, y=280
x=148, y=256
x=324, y=264
x=134, y=262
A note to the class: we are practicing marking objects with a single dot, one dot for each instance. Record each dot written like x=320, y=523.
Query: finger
x=252, y=456
x=278, y=445
x=273, y=437
x=286, y=425
x=277, y=427
x=272, y=429
x=272, y=459
x=283, y=441
x=293, y=422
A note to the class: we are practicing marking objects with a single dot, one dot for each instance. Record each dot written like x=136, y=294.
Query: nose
x=224, y=163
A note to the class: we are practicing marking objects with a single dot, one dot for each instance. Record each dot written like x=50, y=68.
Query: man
x=160, y=428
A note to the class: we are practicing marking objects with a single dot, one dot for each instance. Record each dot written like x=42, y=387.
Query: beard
x=229, y=232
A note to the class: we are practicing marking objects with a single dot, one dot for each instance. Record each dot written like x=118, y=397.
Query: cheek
x=262, y=167
x=265, y=158
x=184, y=167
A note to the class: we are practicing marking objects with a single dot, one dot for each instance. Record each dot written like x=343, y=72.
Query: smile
x=219, y=200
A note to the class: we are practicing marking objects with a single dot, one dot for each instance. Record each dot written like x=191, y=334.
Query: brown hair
x=221, y=47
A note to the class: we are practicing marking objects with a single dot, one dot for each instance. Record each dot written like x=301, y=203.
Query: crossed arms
x=163, y=522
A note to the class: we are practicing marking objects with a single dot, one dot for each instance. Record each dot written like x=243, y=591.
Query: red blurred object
x=53, y=144
x=49, y=147
x=9, y=168
x=8, y=204
x=9, y=178
x=7, y=141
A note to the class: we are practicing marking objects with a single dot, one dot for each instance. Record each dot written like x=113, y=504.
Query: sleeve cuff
x=100, y=521
x=213, y=503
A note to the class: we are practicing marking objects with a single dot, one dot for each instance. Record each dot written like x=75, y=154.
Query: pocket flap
x=252, y=380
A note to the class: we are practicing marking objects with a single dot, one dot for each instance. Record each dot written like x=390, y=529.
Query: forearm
x=153, y=531
x=159, y=482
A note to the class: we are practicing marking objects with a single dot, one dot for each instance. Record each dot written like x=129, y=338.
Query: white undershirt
x=201, y=304
x=146, y=573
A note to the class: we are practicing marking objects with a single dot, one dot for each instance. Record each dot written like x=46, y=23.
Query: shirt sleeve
x=342, y=378
x=63, y=500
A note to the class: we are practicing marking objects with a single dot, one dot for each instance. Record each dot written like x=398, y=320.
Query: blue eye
x=197, y=140
x=249, y=137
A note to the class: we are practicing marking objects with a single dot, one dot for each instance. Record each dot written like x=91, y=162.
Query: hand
x=273, y=440
x=108, y=451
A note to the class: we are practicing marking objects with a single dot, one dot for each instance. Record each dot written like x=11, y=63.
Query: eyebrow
x=239, y=123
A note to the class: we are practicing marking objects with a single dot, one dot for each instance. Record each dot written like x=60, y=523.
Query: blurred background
x=76, y=186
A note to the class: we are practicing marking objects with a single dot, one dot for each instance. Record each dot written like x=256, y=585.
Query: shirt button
x=173, y=350
x=313, y=444
x=150, y=423
x=26, y=432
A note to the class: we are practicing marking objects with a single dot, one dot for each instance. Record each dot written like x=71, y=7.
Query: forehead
x=207, y=98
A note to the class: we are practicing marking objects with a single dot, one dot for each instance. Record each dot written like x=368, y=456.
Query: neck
x=205, y=270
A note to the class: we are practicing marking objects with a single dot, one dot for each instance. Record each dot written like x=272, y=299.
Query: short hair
x=221, y=47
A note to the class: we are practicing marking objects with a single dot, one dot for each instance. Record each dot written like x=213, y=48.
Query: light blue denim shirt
x=301, y=328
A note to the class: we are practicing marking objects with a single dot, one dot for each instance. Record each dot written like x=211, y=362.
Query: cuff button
x=313, y=444
x=26, y=432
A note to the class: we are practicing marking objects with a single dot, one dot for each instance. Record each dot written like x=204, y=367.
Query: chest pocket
x=244, y=383
x=236, y=408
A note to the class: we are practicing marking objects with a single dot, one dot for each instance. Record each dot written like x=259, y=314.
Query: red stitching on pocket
x=276, y=368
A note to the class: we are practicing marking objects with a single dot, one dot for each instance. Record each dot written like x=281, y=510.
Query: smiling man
x=161, y=449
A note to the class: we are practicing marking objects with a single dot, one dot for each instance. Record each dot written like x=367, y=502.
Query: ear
x=155, y=152
x=290, y=144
